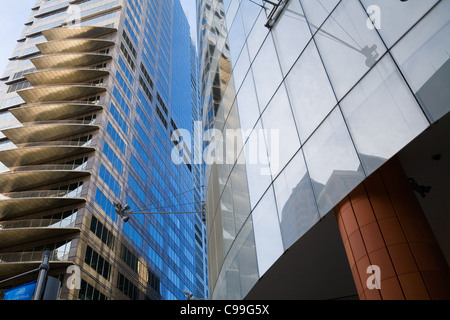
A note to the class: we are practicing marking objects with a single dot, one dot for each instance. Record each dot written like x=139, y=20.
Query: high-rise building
x=89, y=101
x=336, y=186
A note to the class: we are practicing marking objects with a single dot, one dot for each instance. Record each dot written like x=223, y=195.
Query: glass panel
x=396, y=17
x=332, y=162
x=297, y=206
x=240, y=269
x=241, y=200
x=248, y=104
x=281, y=132
x=317, y=11
x=257, y=35
x=236, y=37
x=310, y=92
x=423, y=56
x=290, y=43
x=269, y=245
x=226, y=209
x=382, y=115
x=250, y=11
x=257, y=164
x=348, y=47
x=241, y=68
x=267, y=72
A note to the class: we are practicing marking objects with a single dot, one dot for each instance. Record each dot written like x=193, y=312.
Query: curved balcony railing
x=73, y=60
x=42, y=194
x=73, y=46
x=50, y=167
x=68, y=222
x=66, y=76
x=55, y=144
x=12, y=146
x=77, y=32
x=51, y=122
x=35, y=256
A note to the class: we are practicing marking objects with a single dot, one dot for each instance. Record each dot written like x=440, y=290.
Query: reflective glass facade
x=343, y=90
x=117, y=149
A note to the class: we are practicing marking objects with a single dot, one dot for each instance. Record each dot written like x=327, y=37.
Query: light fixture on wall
x=420, y=189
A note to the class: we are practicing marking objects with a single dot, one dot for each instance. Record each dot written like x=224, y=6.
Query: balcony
x=69, y=60
x=10, y=238
x=49, y=130
x=17, y=205
x=12, y=264
x=53, y=111
x=74, y=46
x=32, y=177
x=84, y=32
x=64, y=76
x=59, y=93
x=43, y=152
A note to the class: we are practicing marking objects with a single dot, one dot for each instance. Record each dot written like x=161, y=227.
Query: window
x=127, y=287
x=129, y=258
x=116, y=138
x=105, y=204
x=118, y=118
x=112, y=157
x=102, y=232
x=88, y=292
x=97, y=262
x=109, y=180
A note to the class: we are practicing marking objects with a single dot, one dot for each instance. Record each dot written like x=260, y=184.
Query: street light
x=125, y=211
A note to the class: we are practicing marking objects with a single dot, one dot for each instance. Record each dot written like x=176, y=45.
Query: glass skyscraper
x=89, y=101
x=338, y=183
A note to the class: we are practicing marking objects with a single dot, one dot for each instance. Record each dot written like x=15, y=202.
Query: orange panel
x=372, y=237
x=436, y=284
x=411, y=228
x=391, y=289
x=382, y=206
x=365, y=213
x=413, y=286
x=392, y=231
x=349, y=220
x=374, y=184
x=381, y=223
x=357, y=245
x=359, y=193
x=357, y=280
x=372, y=294
x=382, y=259
x=402, y=258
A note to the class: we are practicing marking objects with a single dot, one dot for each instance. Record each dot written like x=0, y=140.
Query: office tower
x=342, y=108
x=90, y=98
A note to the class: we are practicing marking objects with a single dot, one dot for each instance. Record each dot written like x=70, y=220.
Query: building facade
x=337, y=183
x=89, y=101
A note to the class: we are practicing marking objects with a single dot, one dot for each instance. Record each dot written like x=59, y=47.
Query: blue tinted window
x=139, y=169
x=121, y=101
x=112, y=157
x=127, y=71
x=115, y=136
x=122, y=124
x=105, y=204
x=123, y=85
x=109, y=180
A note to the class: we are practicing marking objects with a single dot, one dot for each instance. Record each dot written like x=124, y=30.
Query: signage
x=23, y=292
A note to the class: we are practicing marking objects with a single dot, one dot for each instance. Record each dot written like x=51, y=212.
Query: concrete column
x=382, y=224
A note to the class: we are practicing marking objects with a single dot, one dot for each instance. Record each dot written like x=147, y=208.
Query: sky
x=16, y=12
